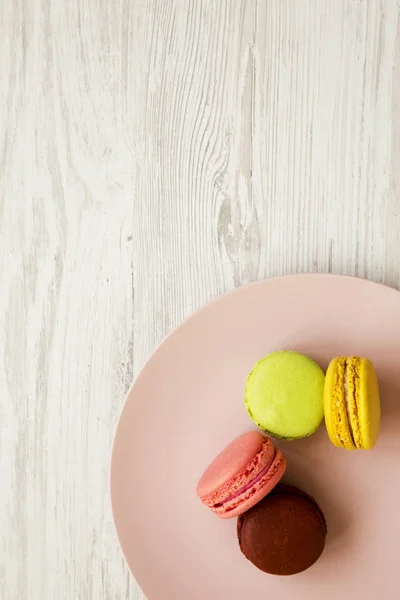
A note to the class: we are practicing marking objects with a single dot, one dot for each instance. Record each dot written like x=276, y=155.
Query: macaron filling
x=347, y=402
x=348, y=383
x=249, y=485
x=353, y=366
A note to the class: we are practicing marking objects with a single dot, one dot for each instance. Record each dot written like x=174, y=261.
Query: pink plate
x=187, y=404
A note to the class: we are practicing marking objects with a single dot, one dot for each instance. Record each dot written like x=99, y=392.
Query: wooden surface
x=154, y=154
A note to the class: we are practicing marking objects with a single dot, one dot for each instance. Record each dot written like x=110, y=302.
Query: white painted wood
x=154, y=154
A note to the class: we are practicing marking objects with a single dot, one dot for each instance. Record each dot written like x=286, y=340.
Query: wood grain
x=154, y=154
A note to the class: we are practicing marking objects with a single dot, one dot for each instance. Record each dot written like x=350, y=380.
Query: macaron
x=284, y=395
x=352, y=403
x=241, y=475
x=285, y=533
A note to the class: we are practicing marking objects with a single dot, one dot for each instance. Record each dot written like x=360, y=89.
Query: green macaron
x=285, y=395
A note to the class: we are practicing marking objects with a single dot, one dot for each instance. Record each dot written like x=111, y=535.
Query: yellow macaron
x=352, y=404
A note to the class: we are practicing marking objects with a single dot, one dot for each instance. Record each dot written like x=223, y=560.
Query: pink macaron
x=241, y=475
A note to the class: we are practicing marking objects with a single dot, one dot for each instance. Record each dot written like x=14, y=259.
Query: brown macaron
x=285, y=533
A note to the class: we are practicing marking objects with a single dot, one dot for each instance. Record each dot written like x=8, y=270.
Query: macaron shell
x=284, y=534
x=336, y=419
x=230, y=462
x=328, y=403
x=265, y=458
x=258, y=492
x=369, y=407
x=284, y=395
x=287, y=488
